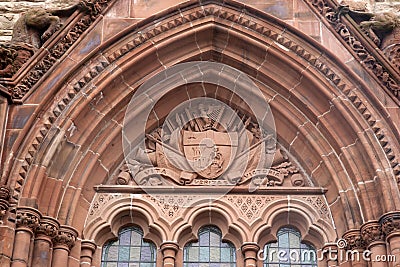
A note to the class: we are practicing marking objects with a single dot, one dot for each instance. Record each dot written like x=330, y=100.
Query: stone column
x=250, y=251
x=372, y=234
x=46, y=230
x=169, y=250
x=355, y=248
x=27, y=221
x=87, y=250
x=330, y=254
x=390, y=223
x=63, y=242
x=7, y=233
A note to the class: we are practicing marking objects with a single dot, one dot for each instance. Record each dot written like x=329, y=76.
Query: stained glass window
x=130, y=250
x=209, y=250
x=289, y=251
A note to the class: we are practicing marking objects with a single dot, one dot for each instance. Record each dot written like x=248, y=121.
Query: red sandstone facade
x=67, y=188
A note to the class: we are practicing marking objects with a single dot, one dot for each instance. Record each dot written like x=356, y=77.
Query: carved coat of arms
x=208, y=145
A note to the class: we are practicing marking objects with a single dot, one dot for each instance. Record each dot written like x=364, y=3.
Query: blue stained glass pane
x=215, y=254
x=283, y=241
x=123, y=254
x=204, y=239
x=136, y=239
x=294, y=240
x=135, y=254
x=193, y=254
x=125, y=238
x=215, y=239
x=112, y=254
x=146, y=254
x=193, y=264
x=204, y=254
x=226, y=254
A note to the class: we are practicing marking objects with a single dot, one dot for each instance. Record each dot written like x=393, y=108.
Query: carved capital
x=65, y=237
x=390, y=223
x=28, y=218
x=169, y=249
x=354, y=240
x=4, y=201
x=371, y=232
x=88, y=245
x=250, y=250
x=47, y=227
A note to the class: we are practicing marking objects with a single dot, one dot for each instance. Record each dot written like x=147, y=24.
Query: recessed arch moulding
x=326, y=120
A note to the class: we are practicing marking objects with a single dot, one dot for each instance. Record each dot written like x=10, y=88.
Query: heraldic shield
x=210, y=153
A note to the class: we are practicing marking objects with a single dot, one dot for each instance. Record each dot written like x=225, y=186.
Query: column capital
x=5, y=194
x=354, y=240
x=371, y=233
x=248, y=246
x=28, y=218
x=65, y=237
x=48, y=227
x=390, y=223
x=89, y=245
x=332, y=246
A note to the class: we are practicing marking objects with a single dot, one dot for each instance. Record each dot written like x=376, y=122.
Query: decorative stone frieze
x=354, y=240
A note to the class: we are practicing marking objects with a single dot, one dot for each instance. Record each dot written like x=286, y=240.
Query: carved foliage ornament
x=202, y=152
x=65, y=236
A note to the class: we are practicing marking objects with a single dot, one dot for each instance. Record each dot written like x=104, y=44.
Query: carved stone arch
x=221, y=215
x=301, y=214
x=310, y=122
x=117, y=212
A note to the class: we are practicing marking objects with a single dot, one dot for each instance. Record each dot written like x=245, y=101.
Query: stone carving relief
x=30, y=32
x=383, y=29
x=5, y=194
x=202, y=152
x=332, y=15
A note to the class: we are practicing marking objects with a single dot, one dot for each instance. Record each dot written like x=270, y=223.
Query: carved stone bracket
x=371, y=232
x=354, y=240
x=65, y=237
